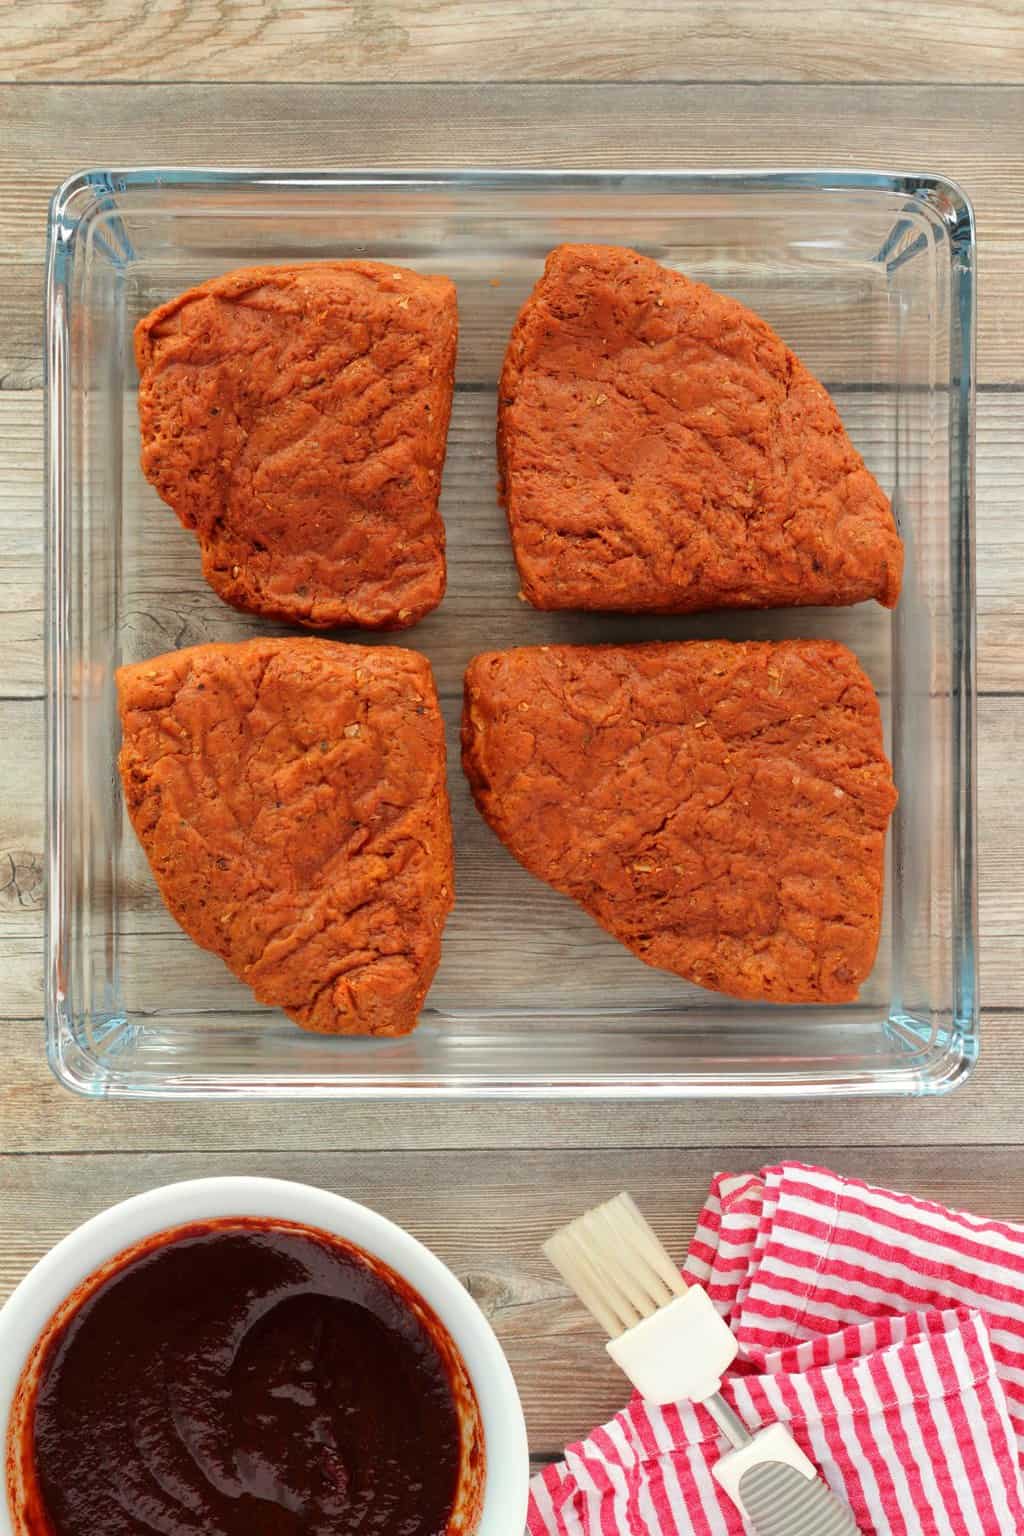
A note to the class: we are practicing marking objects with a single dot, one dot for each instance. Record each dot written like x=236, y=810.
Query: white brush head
x=615, y=1264
x=667, y=1338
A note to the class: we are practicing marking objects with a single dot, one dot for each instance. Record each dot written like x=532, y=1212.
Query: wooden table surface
x=923, y=84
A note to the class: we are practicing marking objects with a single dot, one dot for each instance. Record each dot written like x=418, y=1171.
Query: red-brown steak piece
x=661, y=449
x=720, y=808
x=290, y=797
x=296, y=419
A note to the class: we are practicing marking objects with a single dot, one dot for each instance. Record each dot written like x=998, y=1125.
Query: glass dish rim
x=79, y=198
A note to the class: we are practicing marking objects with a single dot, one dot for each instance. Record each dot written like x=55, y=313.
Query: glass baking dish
x=869, y=277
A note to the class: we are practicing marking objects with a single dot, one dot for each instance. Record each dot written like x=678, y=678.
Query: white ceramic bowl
x=30, y=1308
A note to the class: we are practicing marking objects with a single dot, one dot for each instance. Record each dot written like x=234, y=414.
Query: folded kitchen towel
x=887, y=1332
x=799, y=1252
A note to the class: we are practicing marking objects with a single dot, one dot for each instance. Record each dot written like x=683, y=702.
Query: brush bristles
x=615, y=1264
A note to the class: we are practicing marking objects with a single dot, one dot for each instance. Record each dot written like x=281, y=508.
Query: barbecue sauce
x=246, y=1378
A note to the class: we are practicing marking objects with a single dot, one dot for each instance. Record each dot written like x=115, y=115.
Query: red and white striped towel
x=887, y=1332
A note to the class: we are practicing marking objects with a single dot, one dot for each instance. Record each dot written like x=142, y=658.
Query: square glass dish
x=869, y=277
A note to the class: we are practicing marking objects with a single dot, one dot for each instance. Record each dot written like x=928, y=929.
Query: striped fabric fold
x=879, y=1328
x=831, y=1251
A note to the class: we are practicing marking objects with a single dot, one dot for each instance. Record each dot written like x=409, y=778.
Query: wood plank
x=976, y=137
x=38, y=1116
x=21, y=541
x=457, y=40
x=487, y=1217
x=168, y=603
x=836, y=314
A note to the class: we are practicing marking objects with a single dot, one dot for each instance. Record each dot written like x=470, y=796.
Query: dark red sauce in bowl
x=247, y=1378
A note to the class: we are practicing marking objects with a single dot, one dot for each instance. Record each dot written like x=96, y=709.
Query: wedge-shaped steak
x=296, y=418
x=720, y=808
x=290, y=797
x=662, y=449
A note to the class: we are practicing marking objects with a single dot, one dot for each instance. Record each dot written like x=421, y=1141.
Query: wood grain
x=485, y=1183
x=975, y=137
x=458, y=40
x=486, y=1217
x=38, y=1116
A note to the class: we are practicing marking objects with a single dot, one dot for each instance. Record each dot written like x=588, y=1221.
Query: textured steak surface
x=290, y=797
x=662, y=449
x=720, y=808
x=296, y=419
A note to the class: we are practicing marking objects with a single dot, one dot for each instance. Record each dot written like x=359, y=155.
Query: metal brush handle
x=778, y=1489
x=782, y=1502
